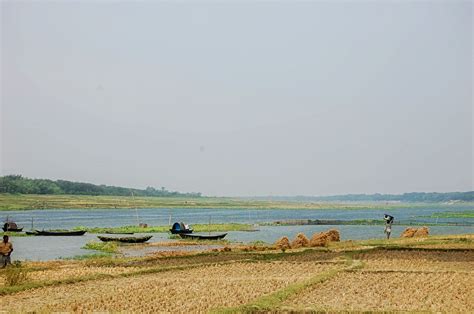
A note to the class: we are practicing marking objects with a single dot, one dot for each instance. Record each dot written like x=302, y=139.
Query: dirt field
x=347, y=276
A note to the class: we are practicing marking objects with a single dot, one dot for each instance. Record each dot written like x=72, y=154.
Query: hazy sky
x=240, y=98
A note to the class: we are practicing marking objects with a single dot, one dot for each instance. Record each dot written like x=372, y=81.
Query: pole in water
x=136, y=210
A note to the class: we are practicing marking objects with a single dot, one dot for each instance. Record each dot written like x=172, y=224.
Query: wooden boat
x=57, y=233
x=11, y=226
x=202, y=236
x=125, y=239
x=179, y=228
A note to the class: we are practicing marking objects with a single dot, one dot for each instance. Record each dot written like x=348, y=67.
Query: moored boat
x=179, y=228
x=57, y=232
x=11, y=226
x=203, y=236
x=125, y=239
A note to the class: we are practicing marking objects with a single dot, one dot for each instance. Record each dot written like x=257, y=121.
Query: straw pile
x=323, y=238
x=422, y=232
x=300, y=241
x=283, y=244
x=334, y=235
x=415, y=232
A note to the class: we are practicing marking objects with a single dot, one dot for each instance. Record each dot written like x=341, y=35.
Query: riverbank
x=398, y=274
x=367, y=222
x=10, y=202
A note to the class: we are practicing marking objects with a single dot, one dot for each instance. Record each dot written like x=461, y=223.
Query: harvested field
x=429, y=261
x=193, y=290
x=76, y=271
x=373, y=275
x=365, y=291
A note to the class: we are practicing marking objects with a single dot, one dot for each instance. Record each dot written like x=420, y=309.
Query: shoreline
x=20, y=202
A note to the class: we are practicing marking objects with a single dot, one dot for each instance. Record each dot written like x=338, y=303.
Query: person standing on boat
x=388, y=225
x=6, y=249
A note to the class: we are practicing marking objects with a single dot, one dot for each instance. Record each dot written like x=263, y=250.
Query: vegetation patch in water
x=463, y=214
x=107, y=247
x=155, y=229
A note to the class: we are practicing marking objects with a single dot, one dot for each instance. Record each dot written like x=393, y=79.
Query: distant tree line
x=406, y=197
x=17, y=184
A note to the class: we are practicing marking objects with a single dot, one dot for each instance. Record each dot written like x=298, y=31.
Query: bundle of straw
x=319, y=239
x=422, y=232
x=323, y=238
x=300, y=241
x=283, y=243
x=334, y=235
x=408, y=233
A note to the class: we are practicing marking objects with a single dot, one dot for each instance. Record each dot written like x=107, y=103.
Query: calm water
x=46, y=248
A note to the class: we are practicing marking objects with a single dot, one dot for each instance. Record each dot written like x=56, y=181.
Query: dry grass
x=193, y=290
x=361, y=291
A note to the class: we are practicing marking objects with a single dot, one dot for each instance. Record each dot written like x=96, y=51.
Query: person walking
x=6, y=249
x=388, y=225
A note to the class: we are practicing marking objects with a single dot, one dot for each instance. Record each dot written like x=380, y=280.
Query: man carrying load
x=388, y=225
x=6, y=249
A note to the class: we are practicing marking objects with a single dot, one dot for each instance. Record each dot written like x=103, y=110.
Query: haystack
x=422, y=232
x=319, y=239
x=415, y=232
x=334, y=235
x=300, y=241
x=323, y=238
x=283, y=244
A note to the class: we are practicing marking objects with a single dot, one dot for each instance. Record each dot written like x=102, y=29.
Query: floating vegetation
x=108, y=247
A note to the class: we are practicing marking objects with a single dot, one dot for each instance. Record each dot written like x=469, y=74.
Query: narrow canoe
x=202, y=236
x=57, y=233
x=125, y=239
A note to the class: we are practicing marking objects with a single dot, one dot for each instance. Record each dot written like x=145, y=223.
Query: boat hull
x=12, y=229
x=186, y=231
x=202, y=236
x=58, y=233
x=125, y=239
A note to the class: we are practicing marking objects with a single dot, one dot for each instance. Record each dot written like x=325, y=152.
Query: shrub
x=15, y=274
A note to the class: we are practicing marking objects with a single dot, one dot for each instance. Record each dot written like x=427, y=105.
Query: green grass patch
x=107, y=247
x=16, y=234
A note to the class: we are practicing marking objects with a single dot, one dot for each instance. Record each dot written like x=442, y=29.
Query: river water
x=47, y=248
